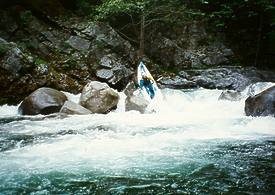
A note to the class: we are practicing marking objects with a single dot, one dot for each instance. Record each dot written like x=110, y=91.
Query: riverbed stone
x=42, y=101
x=262, y=104
x=98, y=97
x=137, y=103
x=70, y=107
x=230, y=95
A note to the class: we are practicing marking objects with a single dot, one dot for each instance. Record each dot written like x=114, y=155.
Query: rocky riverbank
x=55, y=48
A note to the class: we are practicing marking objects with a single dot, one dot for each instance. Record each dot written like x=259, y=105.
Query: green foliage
x=26, y=17
x=39, y=61
x=3, y=49
x=112, y=8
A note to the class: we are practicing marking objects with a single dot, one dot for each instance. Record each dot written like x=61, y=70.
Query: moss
x=39, y=61
x=3, y=49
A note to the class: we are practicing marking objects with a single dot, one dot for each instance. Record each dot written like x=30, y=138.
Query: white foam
x=122, y=140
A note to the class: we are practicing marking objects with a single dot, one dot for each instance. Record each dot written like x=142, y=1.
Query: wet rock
x=42, y=101
x=137, y=103
x=99, y=97
x=262, y=104
x=130, y=88
x=230, y=95
x=177, y=83
x=70, y=107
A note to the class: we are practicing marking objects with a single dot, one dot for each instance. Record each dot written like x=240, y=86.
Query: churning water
x=193, y=144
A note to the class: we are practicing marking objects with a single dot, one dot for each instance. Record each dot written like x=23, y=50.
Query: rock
x=220, y=78
x=230, y=95
x=121, y=77
x=177, y=83
x=79, y=43
x=137, y=103
x=115, y=72
x=99, y=97
x=104, y=74
x=215, y=60
x=42, y=101
x=262, y=104
x=70, y=107
x=12, y=57
x=106, y=61
x=130, y=88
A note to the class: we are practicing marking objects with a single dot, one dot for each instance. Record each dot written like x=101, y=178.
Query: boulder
x=114, y=71
x=130, y=88
x=230, y=95
x=177, y=83
x=42, y=101
x=262, y=104
x=137, y=103
x=70, y=107
x=98, y=97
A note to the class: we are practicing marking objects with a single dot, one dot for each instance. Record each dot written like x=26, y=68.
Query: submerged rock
x=262, y=104
x=99, y=97
x=70, y=107
x=230, y=95
x=42, y=101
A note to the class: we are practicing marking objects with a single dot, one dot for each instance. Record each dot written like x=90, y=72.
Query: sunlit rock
x=262, y=104
x=99, y=97
x=137, y=103
x=70, y=107
x=42, y=101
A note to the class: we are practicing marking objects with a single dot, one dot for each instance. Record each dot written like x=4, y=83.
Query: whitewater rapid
x=186, y=125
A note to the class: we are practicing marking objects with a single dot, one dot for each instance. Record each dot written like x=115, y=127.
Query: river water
x=193, y=144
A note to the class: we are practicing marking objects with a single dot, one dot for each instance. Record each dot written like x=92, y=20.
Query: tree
x=139, y=15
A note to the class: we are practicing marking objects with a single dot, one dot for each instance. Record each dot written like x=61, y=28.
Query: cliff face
x=61, y=51
x=43, y=44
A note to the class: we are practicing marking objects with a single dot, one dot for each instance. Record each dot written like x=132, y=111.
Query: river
x=193, y=144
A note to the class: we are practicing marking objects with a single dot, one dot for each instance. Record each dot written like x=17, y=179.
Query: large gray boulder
x=262, y=104
x=137, y=103
x=70, y=107
x=98, y=97
x=42, y=101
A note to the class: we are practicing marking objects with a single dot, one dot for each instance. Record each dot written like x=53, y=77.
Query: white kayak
x=148, y=93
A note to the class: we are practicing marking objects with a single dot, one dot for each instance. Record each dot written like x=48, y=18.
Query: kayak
x=149, y=92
